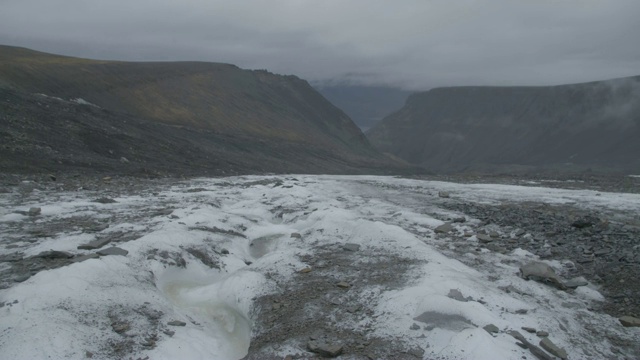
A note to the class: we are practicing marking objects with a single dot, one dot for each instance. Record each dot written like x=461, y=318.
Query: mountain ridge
x=221, y=100
x=577, y=126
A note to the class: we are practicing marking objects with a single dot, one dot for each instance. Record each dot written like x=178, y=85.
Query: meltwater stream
x=209, y=301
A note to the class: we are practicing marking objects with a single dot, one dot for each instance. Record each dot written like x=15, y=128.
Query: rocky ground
x=44, y=134
x=603, y=244
x=609, y=182
x=331, y=301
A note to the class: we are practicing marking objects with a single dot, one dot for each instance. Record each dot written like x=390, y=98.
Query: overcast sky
x=415, y=44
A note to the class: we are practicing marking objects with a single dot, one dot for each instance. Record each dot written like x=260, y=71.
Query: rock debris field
x=299, y=267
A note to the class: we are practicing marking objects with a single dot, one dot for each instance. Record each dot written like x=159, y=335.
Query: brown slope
x=592, y=125
x=211, y=96
x=229, y=113
x=40, y=134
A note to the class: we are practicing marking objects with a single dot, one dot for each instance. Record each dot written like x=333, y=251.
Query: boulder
x=629, y=321
x=542, y=272
x=553, y=348
x=113, y=251
x=325, y=349
x=491, y=329
x=443, y=229
x=584, y=222
x=576, y=282
x=176, y=323
x=351, y=247
x=95, y=244
x=82, y=258
x=104, y=200
x=484, y=238
x=456, y=295
x=535, y=350
x=53, y=254
x=443, y=194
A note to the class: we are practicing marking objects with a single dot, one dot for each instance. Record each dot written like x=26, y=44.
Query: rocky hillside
x=570, y=127
x=58, y=111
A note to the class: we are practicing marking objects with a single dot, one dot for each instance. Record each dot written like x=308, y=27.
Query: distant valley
x=580, y=127
x=365, y=105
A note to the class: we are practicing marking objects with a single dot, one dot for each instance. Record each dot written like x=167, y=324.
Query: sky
x=411, y=44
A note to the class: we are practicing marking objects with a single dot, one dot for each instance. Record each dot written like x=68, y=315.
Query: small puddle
x=197, y=296
x=263, y=245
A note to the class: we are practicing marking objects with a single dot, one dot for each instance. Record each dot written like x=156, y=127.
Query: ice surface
x=63, y=313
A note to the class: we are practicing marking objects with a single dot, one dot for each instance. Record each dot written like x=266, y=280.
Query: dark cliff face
x=591, y=125
x=259, y=121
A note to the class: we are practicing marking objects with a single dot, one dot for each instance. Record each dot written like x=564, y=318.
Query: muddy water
x=264, y=245
x=198, y=297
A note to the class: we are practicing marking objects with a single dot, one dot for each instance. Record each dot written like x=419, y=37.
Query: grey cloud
x=413, y=43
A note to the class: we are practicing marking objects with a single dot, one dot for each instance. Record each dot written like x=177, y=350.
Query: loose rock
x=21, y=278
x=113, y=251
x=351, y=247
x=443, y=194
x=583, y=223
x=82, y=258
x=120, y=327
x=325, y=350
x=553, y=348
x=629, y=321
x=443, y=229
x=417, y=352
x=491, y=329
x=535, y=350
x=541, y=272
x=457, y=295
x=574, y=283
x=104, y=200
x=11, y=257
x=484, y=238
x=176, y=323
x=53, y=254
x=95, y=244
x=96, y=227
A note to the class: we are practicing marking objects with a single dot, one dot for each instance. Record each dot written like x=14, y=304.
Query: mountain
x=186, y=117
x=592, y=125
x=365, y=105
